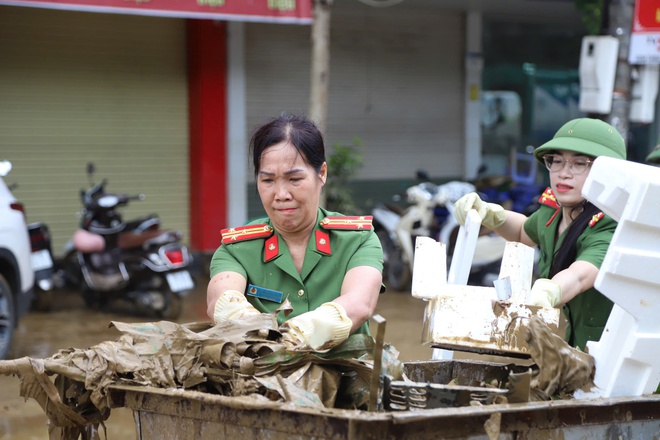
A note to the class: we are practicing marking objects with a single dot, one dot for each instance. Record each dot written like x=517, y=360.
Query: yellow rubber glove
x=492, y=215
x=320, y=329
x=232, y=305
x=545, y=293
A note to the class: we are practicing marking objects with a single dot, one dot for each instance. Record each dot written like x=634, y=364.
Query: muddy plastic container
x=162, y=414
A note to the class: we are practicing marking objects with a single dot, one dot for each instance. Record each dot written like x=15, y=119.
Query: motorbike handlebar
x=123, y=199
x=94, y=199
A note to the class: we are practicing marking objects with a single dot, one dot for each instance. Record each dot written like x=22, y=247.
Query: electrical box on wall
x=598, y=58
x=644, y=92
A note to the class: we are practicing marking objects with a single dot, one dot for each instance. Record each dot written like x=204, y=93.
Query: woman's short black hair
x=300, y=131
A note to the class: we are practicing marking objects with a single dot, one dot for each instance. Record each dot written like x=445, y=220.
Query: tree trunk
x=620, y=13
x=320, y=71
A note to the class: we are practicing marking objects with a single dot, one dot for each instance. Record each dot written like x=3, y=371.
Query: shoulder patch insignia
x=548, y=198
x=243, y=233
x=595, y=219
x=362, y=222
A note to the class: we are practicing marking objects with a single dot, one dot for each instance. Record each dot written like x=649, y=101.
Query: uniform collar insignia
x=322, y=240
x=595, y=219
x=548, y=198
x=271, y=248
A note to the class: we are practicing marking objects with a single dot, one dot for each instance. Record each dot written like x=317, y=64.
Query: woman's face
x=289, y=188
x=567, y=184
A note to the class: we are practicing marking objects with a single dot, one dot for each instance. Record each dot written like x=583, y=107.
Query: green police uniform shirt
x=588, y=312
x=265, y=262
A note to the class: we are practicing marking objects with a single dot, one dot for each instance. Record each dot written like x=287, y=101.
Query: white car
x=16, y=273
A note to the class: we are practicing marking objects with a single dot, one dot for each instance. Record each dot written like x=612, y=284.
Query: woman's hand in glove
x=545, y=293
x=320, y=329
x=492, y=215
x=232, y=305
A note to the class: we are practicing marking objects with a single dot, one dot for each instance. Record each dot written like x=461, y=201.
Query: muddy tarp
x=233, y=359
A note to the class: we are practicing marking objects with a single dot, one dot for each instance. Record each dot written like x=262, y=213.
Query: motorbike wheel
x=173, y=306
x=396, y=271
x=93, y=299
x=43, y=300
x=398, y=274
x=68, y=272
x=7, y=317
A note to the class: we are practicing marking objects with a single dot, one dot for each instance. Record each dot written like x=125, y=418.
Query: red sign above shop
x=645, y=35
x=270, y=11
x=647, y=16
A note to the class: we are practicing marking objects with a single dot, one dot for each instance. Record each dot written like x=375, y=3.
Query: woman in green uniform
x=327, y=265
x=571, y=233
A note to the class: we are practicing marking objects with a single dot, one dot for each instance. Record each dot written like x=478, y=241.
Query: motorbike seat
x=131, y=239
x=168, y=236
x=142, y=224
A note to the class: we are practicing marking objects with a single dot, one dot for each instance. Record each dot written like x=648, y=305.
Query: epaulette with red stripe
x=362, y=222
x=595, y=219
x=548, y=198
x=243, y=233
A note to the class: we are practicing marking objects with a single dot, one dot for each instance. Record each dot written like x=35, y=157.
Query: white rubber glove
x=545, y=293
x=232, y=305
x=492, y=215
x=320, y=329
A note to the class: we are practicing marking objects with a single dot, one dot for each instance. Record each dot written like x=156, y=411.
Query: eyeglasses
x=555, y=162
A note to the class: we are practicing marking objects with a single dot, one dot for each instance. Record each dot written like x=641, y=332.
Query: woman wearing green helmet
x=572, y=234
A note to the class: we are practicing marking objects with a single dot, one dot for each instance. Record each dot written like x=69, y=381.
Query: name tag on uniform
x=263, y=293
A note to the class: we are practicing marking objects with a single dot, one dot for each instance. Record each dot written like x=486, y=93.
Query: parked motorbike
x=112, y=259
x=430, y=214
x=42, y=265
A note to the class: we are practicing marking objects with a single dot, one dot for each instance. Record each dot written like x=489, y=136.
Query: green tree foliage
x=343, y=163
x=592, y=14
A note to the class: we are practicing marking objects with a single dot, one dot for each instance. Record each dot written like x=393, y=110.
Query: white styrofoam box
x=627, y=361
x=429, y=268
x=615, y=185
x=518, y=266
x=629, y=275
x=466, y=243
x=644, y=93
x=598, y=58
x=463, y=315
x=639, y=298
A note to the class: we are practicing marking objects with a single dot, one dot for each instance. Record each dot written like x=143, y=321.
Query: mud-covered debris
x=562, y=369
x=236, y=358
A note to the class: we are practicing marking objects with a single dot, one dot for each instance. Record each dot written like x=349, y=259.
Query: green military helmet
x=591, y=137
x=654, y=156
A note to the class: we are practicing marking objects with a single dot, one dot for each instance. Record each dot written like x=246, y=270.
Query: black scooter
x=112, y=259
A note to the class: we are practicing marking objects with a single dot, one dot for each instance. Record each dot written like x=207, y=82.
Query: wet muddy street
x=71, y=324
